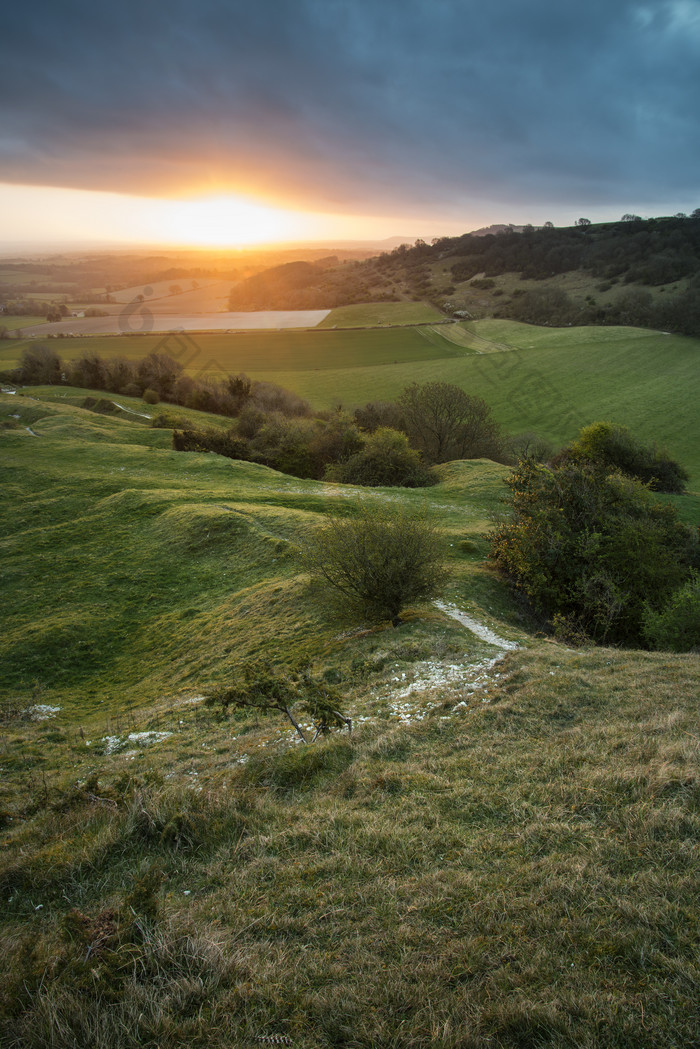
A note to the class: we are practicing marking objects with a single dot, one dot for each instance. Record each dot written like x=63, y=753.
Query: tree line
x=378, y=444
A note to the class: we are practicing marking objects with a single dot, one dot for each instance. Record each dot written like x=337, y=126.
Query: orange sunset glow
x=57, y=216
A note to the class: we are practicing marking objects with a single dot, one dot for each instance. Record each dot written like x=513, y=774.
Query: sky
x=225, y=122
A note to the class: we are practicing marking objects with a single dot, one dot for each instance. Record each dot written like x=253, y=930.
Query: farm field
x=14, y=322
x=503, y=852
x=374, y=314
x=258, y=353
x=209, y=295
x=140, y=317
x=548, y=380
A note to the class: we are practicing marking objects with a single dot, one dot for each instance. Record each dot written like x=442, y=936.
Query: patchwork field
x=548, y=380
x=503, y=853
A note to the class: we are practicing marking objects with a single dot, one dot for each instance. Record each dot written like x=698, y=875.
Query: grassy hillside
x=503, y=853
x=147, y=562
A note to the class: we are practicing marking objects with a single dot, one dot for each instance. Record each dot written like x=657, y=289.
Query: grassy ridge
x=125, y=562
x=506, y=856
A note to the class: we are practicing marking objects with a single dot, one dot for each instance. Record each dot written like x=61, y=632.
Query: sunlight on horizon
x=36, y=216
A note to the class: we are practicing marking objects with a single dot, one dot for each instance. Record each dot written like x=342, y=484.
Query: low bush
x=591, y=546
x=676, y=627
x=378, y=560
x=386, y=460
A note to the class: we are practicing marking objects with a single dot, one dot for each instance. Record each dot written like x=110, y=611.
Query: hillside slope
x=502, y=853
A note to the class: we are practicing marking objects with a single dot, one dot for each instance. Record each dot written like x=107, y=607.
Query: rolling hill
x=502, y=852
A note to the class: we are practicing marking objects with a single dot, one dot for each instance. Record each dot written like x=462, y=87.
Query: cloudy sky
x=381, y=116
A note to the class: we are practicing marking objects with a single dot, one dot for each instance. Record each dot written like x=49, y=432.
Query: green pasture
x=258, y=352
x=129, y=569
x=13, y=321
x=374, y=314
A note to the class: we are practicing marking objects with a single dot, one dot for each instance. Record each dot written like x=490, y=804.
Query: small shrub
x=286, y=690
x=676, y=628
x=387, y=460
x=169, y=421
x=151, y=396
x=379, y=560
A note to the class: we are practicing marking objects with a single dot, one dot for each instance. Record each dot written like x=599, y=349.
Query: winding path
x=476, y=627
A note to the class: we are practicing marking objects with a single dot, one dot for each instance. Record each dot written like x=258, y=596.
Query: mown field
x=549, y=380
x=503, y=853
x=373, y=314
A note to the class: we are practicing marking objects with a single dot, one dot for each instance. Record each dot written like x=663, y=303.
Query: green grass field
x=503, y=853
x=13, y=321
x=552, y=381
x=375, y=314
x=257, y=353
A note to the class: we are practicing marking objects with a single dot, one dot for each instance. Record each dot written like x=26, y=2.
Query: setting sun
x=226, y=221
x=52, y=216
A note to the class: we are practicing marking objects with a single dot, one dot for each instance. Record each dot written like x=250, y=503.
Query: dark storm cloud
x=357, y=103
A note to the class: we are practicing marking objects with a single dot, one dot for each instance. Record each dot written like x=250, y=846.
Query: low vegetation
x=593, y=550
x=520, y=871
x=378, y=561
x=501, y=853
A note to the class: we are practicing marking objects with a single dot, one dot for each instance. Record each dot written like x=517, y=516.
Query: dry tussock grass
x=521, y=873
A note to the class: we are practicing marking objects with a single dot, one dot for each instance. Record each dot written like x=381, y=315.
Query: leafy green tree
x=378, y=560
x=445, y=423
x=39, y=366
x=591, y=546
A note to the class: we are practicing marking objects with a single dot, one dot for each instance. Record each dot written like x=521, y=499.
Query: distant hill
x=642, y=272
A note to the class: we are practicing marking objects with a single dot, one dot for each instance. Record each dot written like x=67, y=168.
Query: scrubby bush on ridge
x=614, y=447
x=592, y=546
x=378, y=560
x=676, y=626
